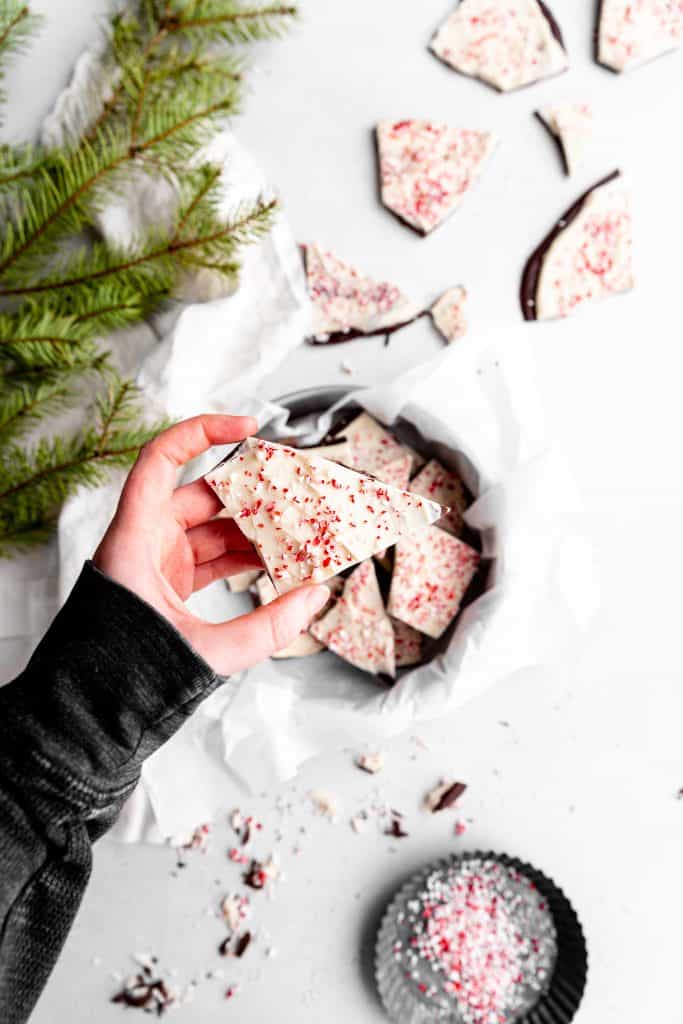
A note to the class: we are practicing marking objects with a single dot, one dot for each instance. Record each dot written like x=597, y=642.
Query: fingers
x=225, y=565
x=232, y=646
x=217, y=537
x=195, y=503
x=153, y=476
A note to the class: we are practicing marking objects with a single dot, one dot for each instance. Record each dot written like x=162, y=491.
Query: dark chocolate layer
x=532, y=269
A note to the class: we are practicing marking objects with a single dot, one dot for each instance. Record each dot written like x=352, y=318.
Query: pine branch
x=33, y=338
x=27, y=396
x=229, y=22
x=36, y=481
x=156, y=266
x=168, y=90
x=17, y=25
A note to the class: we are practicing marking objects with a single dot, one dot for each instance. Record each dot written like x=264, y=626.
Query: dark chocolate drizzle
x=336, y=337
x=555, y=139
x=554, y=27
x=533, y=266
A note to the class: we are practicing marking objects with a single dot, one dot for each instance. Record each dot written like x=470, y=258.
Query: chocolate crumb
x=242, y=944
x=396, y=829
x=444, y=795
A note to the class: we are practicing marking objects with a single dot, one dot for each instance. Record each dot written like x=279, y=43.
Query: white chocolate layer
x=426, y=168
x=572, y=126
x=508, y=44
x=310, y=518
x=632, y=32
x=438, y=484
x=358, y=628
x=432, y=571
x=407, y=644
x=448, y=313
x=346, y=301
x=591, y=257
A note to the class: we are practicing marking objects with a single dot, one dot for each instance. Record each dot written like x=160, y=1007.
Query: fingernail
x=316, y=598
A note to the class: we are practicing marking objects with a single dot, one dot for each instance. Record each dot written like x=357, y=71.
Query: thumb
x=232, y=646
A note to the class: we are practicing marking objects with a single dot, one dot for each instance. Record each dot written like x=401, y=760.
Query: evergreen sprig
x=36, y=480
x=167, y=82
x=17, y=25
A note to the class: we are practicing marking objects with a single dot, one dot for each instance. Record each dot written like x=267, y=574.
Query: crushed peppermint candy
x=407, y=644
x=432, y=571
x=426, y=168
x=347, y=304
x=480, y=934
x=632, y=33
x=358, y=628
x=585, y=258
x=199, y=840
x=310, y=518
x=507, y=45
x=147, y=990
x=235, y=910
x=442, y=485
x=261, y=873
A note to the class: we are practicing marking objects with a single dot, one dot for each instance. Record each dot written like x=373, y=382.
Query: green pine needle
x=37, y=480
x=17, y=25
x=28, y=396
x=63, y=289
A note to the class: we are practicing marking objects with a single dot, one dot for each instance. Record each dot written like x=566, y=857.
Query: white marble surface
x=583, y=779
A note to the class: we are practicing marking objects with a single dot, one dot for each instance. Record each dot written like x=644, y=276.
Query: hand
x=164, y=543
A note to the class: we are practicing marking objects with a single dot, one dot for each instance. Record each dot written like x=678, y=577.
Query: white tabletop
x=583, y=779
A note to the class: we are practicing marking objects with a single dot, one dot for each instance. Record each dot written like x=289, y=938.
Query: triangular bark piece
x=426, y=168
x=633, y=32
x=432, y=571
x=507, y=45
x=347, y=304
x=358, y=628
x=407, y=644
x=310, y=518
x=448, y=313
x=571, y=125
x=586, y=256
x=373, y=447
x=438, y=484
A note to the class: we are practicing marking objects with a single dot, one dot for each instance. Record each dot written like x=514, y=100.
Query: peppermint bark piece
x=426, y=168
x=571, y=125
x=358, y=628
x=448, y=314
x=586, y=257
x=507, y=45
x=305, y=644
x=439, y=484
x=336, y=451
x=407, y=644
x=347, y=304
x=432, y=571
x=310, y=518
x=397, y=473
x=373, y=447
x=241, y=581
x=633, y=32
